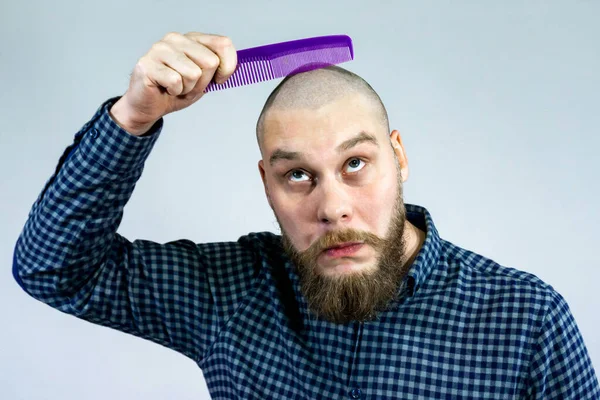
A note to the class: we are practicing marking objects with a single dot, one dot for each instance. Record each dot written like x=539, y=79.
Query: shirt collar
x=429, y=253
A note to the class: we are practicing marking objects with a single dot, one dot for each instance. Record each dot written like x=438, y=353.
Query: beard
x=357, y=296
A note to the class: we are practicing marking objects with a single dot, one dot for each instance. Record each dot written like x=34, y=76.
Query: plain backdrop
x=497, y=102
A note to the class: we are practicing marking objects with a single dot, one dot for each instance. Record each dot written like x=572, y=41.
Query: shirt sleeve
x=69, y=255
x=561, y=366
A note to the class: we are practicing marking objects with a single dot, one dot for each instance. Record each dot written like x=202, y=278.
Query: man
x=359, y=297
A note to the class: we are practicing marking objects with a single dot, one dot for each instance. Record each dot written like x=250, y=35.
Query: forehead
x=323, y=128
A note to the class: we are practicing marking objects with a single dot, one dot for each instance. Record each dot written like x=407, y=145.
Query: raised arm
x=69, y=254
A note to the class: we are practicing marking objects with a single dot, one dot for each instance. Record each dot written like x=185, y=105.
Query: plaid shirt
x=462, y=327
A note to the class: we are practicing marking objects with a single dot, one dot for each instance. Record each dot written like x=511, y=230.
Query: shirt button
x=94, y=133
x=355, y=393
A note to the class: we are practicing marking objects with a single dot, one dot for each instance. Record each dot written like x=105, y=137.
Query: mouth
x=343, y=249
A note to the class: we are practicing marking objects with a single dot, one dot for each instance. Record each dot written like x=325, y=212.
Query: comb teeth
x=309, y=59
x=281, y=59
x=246, y=73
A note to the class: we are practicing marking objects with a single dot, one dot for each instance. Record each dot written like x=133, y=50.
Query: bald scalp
x=315, y=89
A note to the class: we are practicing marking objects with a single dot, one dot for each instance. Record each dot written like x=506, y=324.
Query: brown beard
x=357, y=296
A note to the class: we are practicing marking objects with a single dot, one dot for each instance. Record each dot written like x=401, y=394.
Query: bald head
x=315, y=89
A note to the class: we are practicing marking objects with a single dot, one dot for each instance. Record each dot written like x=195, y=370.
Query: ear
x=261, y=169
x=398, y=147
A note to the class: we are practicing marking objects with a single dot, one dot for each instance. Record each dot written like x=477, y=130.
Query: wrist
x=126, y=119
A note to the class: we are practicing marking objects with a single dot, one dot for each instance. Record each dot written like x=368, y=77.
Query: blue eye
x=355, y=164
x=298, y=175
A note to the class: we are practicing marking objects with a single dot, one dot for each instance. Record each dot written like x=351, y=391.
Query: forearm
x=75, y=218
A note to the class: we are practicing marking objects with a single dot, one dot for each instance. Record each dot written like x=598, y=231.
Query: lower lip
x=343, y=251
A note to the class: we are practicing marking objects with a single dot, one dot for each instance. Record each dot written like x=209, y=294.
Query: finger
x=223, y=48
x=165, y=77
x=174, y=58
x=201, y=55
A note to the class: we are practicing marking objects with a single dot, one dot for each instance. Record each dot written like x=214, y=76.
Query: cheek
x=293, y=217
x=377, y=206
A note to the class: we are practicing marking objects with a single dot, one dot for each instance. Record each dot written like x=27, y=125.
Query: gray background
x=497, y=103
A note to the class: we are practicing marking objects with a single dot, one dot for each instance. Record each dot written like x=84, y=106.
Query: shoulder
x=254, y=244
x=487, y=277
x=266, y=246
x=242, y=258
x=261, y=240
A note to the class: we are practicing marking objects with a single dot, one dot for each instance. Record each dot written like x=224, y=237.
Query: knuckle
x=193, y=34
x=141, y=63
x=194, y=74
x=224, y=42
x=213, y=62
x=175, y=80
x=172, y=36
x=159, y=47
x=142, y=67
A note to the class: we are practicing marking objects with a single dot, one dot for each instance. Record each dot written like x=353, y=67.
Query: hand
x=173, y=76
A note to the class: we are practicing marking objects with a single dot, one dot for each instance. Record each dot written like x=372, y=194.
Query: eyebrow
x=362, y=137
x=284, y=155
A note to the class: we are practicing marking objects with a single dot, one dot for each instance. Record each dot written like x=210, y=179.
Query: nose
x=334, y=205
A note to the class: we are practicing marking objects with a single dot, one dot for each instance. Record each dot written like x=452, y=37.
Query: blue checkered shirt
x=462, y=327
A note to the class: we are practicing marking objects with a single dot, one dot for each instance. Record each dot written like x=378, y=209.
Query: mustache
x=336, y=238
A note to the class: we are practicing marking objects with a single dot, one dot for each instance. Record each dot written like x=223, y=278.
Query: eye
x=298, y=175
x=355, y=164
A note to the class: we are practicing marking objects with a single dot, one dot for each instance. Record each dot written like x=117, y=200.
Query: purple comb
x=277, y=60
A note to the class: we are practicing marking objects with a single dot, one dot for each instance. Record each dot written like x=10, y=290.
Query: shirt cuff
x=104, y=142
